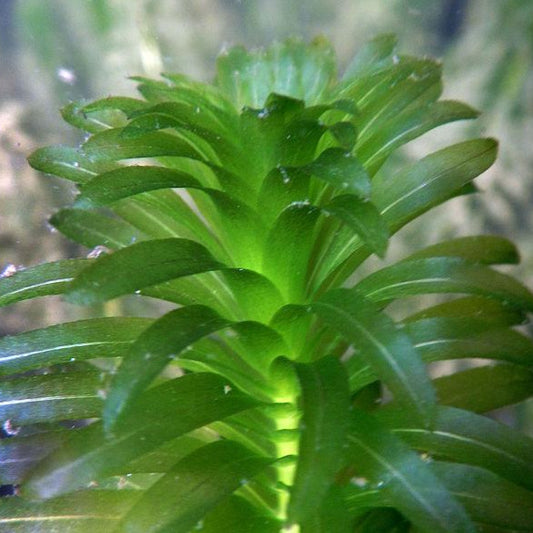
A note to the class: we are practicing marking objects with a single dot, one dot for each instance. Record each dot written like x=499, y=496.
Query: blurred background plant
x=61, y=50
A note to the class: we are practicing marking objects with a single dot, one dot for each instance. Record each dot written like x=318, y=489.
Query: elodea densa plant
x=280, y=392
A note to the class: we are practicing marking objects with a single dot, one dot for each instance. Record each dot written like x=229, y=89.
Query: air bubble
x=284, y=175
x=97, y=251
x=8, y=429
x=8, y=271
x=359, y=481
x=263, y=113
x=66, y=75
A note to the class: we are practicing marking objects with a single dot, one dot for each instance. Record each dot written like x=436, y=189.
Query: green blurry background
x=55, y=51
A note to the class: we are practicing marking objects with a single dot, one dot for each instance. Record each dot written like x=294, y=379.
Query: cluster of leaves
x=272, y=397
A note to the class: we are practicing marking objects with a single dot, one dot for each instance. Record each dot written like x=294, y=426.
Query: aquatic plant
x=284, y=391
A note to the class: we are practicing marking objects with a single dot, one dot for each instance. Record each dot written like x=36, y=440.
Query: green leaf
x=287, y=250
x=238, y=515
x=469, y=438
x=362, y=217
x=40, y=280
x=383, y=520
x=82, y=512
x=93, y=118
x=191, y=402
x=50, y=398
x=373, y=55
x=491, y=312
x=385, y=461
x=152, y=351
x=69, y=163
x=417, y=119
x=325, y=419
x=431, y=181
x=443, y=275
x=441, y=338
x=193, y=487
x=485, y=388
x=122, y=182
x=141, y=265
x=292, y=68
x=382, y=346
x=488, y=498
x=342, y=170
x=484, y=249
x=61, y=343
x=332, y=515
x=92, y=228
x=20, y=453
x=112, y=145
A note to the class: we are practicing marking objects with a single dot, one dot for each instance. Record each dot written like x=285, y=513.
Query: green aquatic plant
x=282, y=391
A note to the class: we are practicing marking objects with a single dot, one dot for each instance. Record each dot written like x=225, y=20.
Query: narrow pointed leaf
x=61, y=343
x=19, y=454
x=484, y=249
x=121, y=273
x=342, y=170
x=238, y=515
x=466, y=437
x=193, y=487
x=382, y=346
x=69, y=163
x=93, y=120
x=412, y=123
x=122, y=182
x=92, y=228
x=372, y=56
x=443, y=275
x=488, y=498
x=325, y=420
x=332, y=515
x=89, y=455
x=492, y=312
x=40, y=280
x=363, y=218
x=386, y=461
x=81, y=512
x=287, y=250
x=152, y=351
x=431, y=181
x=485, y=388
x=48, y=398
x=448, y=338
x=112, y=145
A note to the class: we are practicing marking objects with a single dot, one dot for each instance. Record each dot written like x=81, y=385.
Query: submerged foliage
x=279, y=393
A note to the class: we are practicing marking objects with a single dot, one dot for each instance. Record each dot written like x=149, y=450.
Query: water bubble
x=284, y=175
x=8, y=429
x=197, y=109
x=76, y=164
x=8, y=271
x=66, y=75
x=359, y=481
x=263, y=113
x=102, y=394
x=72, y=359
x=227, y=389
x=147, y=356
x=97, y=251
x=395, y=59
